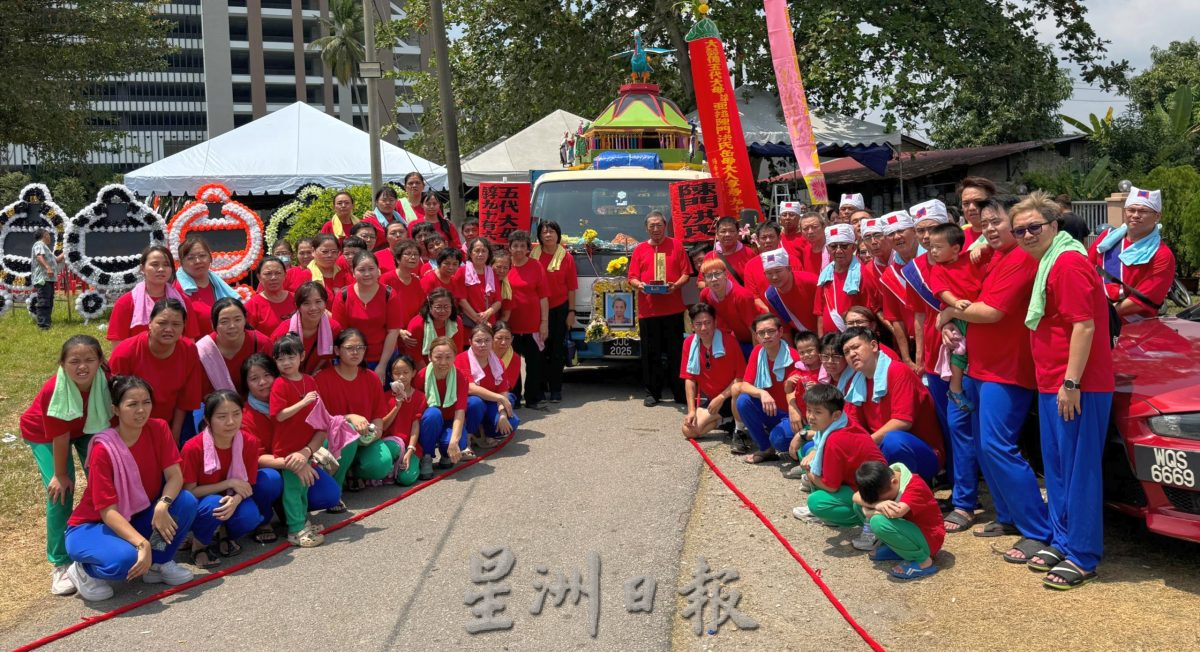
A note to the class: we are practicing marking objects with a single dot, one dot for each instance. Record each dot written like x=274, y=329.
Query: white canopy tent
x=511, y=159
x=278, y=153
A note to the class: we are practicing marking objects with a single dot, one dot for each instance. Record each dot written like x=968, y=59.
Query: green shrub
x=1180, y=187
x=311, y=218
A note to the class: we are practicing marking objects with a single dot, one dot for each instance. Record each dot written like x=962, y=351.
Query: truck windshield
x=615, y=208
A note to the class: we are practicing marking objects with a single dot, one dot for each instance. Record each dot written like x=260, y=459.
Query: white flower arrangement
x=285, y=216
x=112, y=273
x=193, y=219
x=16, y=267
x=91, y=305
x=6, y=301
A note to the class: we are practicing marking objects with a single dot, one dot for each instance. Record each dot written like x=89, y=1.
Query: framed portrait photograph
x=618, y=308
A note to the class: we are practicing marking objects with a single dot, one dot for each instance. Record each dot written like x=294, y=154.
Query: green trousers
x=902, y=536
x=57, y=513
x=836, y=508
x=375, y=460
x=295, y=501
x=345, y=460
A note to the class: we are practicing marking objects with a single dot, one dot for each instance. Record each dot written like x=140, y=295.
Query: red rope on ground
x=816, y=576
x=88, y=621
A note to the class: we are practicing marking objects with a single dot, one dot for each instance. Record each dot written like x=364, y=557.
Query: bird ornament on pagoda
x=639, y=61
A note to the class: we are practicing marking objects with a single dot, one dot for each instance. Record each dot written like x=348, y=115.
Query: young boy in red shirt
x=957, y=283
x=904, y=516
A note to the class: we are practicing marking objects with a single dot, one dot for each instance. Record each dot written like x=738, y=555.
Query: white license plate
x=1171, y=466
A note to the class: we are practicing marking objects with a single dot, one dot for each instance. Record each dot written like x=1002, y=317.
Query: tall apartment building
x=237, y=60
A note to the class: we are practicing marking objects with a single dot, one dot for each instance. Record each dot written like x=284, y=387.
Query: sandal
x=355, y=485
x=228, y=547
x=1025, y=546
x=911, y=570
x=210, y=553
x=467, y=454
x=884, y=553
x=959, y=519
x=1050, y=557
x=265, y=534
x=960, y=400
x=996, y=529
x=1071, y=577
x=339, y=508
x=762, y=456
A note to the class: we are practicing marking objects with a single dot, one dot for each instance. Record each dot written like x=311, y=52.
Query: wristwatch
x=1070, y=385
x=166, y=500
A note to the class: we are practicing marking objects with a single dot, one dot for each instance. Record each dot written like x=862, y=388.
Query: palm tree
x=342, y=50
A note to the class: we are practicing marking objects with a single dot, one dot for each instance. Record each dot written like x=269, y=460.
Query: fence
x=1095, y=213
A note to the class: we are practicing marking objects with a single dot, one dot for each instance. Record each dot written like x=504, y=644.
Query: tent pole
x=373, y=126
x=449, y=115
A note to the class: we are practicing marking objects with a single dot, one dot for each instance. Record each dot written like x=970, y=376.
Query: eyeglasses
x=840, y=246
x=712, y=276
x=1143, y=212
x=357, y=348
x=856, y=324
x=871, y=237
x=1032, y=229
x=198, y=258
x=767, y=332
x=829, y=357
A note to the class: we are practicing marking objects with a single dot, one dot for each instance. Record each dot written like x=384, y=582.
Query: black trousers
x=533, y=388
x=44, y=303
x=555, y=354
x=662, y=348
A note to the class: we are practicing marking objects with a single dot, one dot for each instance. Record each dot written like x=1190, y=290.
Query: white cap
x=774, y=259
x=933, y=210
x=1151, y=199
x=839, y=233
x=897, y=221
x=853, y=199
x=871, y=225
x=790, y=207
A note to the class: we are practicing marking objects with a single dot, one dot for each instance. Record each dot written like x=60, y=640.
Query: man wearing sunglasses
x=815, y=257
x=901, y=234
x=974, y=193
x=1137, y=266
x=842, y=283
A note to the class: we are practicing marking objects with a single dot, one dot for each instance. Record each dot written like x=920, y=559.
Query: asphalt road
x=598, y=473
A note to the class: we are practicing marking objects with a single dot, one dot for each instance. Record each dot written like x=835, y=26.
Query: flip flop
x=1051, y=557
x=761, y=456
x=911, y=570
x=228, y=548
x=214, y=558
x=996, y=529
x=265, y=534
x=884, y=553
x=1072, y=577
x=1027, y=547
x=959, y=519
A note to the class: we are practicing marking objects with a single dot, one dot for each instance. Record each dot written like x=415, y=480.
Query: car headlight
x=1185, y=426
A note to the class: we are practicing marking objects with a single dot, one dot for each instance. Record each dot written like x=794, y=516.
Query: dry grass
x=27, y=357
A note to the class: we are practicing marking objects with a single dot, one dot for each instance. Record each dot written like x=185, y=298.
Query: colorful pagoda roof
x=640, y=107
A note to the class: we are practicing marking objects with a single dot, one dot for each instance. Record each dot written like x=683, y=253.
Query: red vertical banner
x=724, y=141
x=695, y=206
x=503, y=208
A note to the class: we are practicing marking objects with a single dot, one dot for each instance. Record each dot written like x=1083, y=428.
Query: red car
x=1152, y=462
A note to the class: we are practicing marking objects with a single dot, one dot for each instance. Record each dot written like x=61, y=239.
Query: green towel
x=433, y=398
x=1062, y=243
x=66, y=403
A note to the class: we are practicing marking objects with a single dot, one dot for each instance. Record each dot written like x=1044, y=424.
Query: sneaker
x=802, y=512
x=167, y=572
x=306, y=538
x=797, y=472
x=426, y=468
x=89, y=588
x=741, y=442
x=864, y=541
x=556, y=397
x=806, y=485
x=649, y=401
x=60, y=582
x=326, y=460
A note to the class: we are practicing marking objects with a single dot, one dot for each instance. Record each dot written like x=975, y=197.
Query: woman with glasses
x=325, y=267
x=1068, y=317
x=733, y=304
x=762, y=403
x=273, y=303
x=198, y=282
x=710, y=369
x=348, y=389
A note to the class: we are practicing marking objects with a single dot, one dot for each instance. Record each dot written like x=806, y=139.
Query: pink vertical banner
x=795, y=103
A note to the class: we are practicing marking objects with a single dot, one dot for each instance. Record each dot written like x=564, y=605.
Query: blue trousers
x=781, y=436
x=997, y=430
x=758, y=423
x=962, y=458
x=487, y=414
x=268, y=486
x=435, y=431
x=323, y=494
x=912, y=451
x=1071, y=452
x=107, y=556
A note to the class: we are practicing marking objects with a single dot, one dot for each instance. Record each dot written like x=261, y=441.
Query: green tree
x=310, y=218
x=517, y=60
x=54, y=54
x=1176, y=65
x=342, y=50
x=1180, y=187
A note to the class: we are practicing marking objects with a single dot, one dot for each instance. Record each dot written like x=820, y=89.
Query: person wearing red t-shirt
x=766, y=238
x=438, y=318
x=790, y=293
x=899, y=230
x=233, y=493
x=131, y=311
x=169, y=363
x=974, y=193
x=479, y=299
x=446, y=265
x=814, y=257
x=369, y=231
x=1000, y=377
x=762, y=402
x=563, y=281
x=324, y=268
x=297, y=271
x=1136, y=264
x=198, y=282
x=490, y=411
x=223, y=351
x=955, y=281
x=348, y=389
x=734, y=305
x=838, y=449
x=729, y=250
x=134, y=513
x=841, y=283
x=444, y=418
x=528, y=314
x=273, y=304
x=903, y=513
x=433, y=215
x=402, y=423
x=789, y=225
x=1068, y=317
x=502, y=339
x=710, y=368
x=52, y=426
x=312, y=324
x=396, y=231
x=342, y=224
x=370, y=307
x=804, y=374
x=889, y=401
x=659, y=262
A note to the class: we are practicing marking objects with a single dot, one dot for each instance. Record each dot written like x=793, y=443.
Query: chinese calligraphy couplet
x=503, y=208
x=695, y=206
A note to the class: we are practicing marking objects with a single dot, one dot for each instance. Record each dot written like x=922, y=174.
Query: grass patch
x=28, y=357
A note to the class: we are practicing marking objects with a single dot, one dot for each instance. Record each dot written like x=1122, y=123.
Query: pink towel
x=324, y=333
x=131, y=495
x=718, y=249
x=339, y=432
x=471, y=277
x=950, y=332
x=214, y=363
x=494, y=365
x=143, y=304
x=212, y=464
x=822, y=374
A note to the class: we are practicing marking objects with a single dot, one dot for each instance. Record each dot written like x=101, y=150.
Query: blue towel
x=853, y=276
x=220, y=288
x=783, y=362
x=901, y=262
x=857, y=392
x=718, y=347
x=819, y=443
x=1138, y=253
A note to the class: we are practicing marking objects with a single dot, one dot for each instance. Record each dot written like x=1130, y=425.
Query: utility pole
x=449, y=116
x=372, y=72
